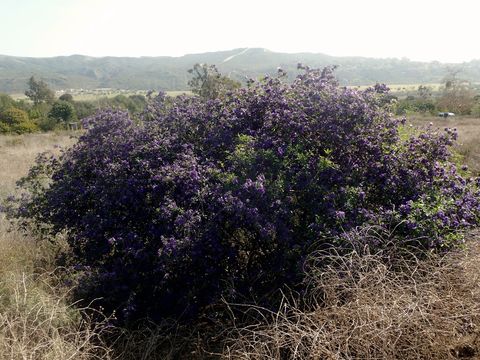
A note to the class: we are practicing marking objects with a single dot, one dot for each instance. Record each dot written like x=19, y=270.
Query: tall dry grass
x=36, y=319
x=361, y=306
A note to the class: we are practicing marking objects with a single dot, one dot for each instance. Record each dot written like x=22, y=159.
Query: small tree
x=424, y=92
x=458, y=95
x=66, y=97
x=6, y=102
x=208, y=83
x=39, y=92
x=62, y=111
x=16, y=121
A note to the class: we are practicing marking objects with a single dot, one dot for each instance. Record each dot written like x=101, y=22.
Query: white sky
x=447, y=31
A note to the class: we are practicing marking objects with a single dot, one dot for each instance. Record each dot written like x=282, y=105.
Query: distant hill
x=170, y=73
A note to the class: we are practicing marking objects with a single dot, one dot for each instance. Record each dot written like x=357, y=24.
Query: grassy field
x=405, y=89
x=429, y=311
x=95, y=94
x=468, y=129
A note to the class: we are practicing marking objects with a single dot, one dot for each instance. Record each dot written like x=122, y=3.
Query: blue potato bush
x=225, y=198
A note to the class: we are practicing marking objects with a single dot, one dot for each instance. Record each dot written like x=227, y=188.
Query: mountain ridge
x=170, y=72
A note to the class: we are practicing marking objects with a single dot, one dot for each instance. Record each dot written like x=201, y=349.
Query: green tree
x=6, y=102
x=66, y=97
x=16, y=120
x=424, y=102
x=208, y=83
x=84, y=108
x=39, y=92
x=62, y=111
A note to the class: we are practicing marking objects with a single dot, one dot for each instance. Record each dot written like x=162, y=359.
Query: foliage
x=476, y=110
x=66, y=97
x=14, y=120
x=62, y=111
x=39, y=111
x=133, y=103
x=48, y=124
x=39, y=92
x=422, y=103
x=84, y=109
x=207, y=82
x=6, y=102
x=225, y=198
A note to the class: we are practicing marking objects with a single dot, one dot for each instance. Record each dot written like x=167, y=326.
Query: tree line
x=46, y=112
x=43, y=111
x=457, y=95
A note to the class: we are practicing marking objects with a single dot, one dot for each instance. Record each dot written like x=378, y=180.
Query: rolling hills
x=170, y=73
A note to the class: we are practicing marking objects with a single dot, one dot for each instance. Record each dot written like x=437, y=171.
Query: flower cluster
x=225, y=198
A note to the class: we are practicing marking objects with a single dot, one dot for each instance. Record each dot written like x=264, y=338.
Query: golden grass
x=36, y=319
x=363, y=307
x=17, y=153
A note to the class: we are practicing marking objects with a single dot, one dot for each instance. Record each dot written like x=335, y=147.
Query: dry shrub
x=373, y=306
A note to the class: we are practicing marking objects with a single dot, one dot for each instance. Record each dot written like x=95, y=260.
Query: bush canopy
x=225, y=198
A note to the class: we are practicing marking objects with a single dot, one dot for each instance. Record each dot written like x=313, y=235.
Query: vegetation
x=39, y=92
x=62, y=111
x=240, y=191
x=37, y=318
x=46, y=114
x=208, y=83
x=365, y=296
x=457, y=96
x=13, y=120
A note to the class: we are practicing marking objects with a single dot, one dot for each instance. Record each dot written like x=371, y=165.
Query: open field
x=468, y=129
x=405, y=88
x=95, y=94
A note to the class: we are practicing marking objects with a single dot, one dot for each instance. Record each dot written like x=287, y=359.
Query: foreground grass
x=368, y=306
x=36, y=319
x=363, y=307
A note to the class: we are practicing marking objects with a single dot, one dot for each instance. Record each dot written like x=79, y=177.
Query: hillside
x=170, y=73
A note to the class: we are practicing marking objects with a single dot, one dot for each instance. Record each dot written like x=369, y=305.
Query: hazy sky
x=416, y=29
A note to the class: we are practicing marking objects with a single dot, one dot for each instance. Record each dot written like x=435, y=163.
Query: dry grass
x=35, y=323
x=36, y=320
x=468, y=136
x=17, y=153
x=362, y=307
